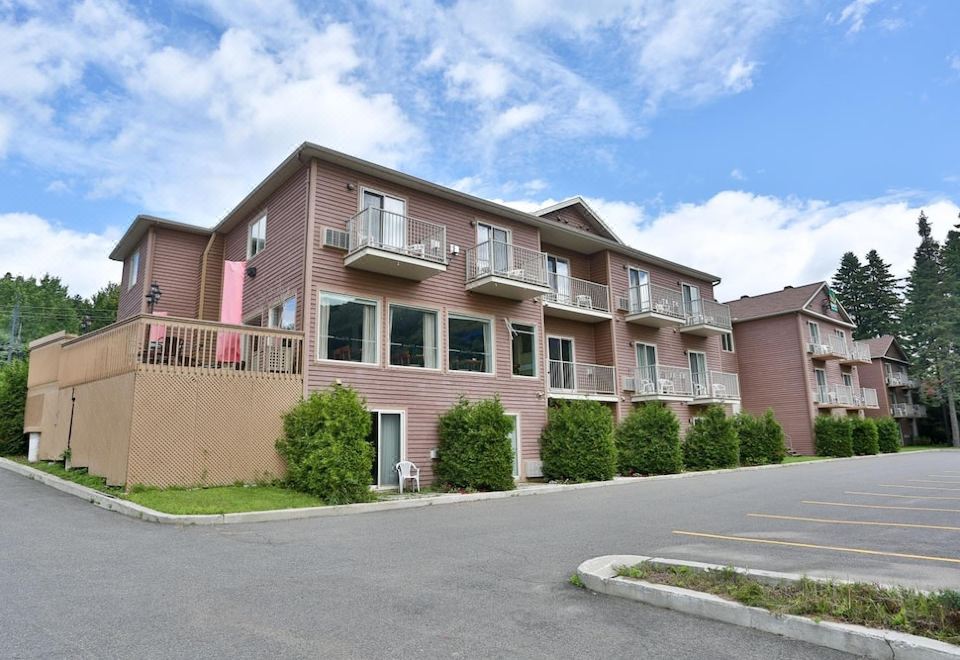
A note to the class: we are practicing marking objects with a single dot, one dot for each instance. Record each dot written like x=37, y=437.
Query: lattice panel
x=163, y=430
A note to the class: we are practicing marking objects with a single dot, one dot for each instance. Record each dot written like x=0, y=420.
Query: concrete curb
x=599, y=574
x=127, y=508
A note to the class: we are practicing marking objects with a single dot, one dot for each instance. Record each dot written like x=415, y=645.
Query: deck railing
x=900, y=379
x=721, y=385
x=908, y=410
x=582, y=378
x=508, y=261
x=859, y=351
x=385, y=230
x=867, y=398
x=168, y=344
x=654, y=298
x=575, y=292
x=662, y=380
x=834, y=394
x=829, y=345
x=707, y=312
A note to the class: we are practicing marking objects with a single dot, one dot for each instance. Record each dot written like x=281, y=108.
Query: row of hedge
x=856, y=436
x=13, y=397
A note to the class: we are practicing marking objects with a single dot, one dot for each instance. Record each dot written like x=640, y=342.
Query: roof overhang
x=139, y=227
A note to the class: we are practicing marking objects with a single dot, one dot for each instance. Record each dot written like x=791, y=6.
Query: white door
x=492, y=249
x=387, y=221
x=386, y=436
x=647, y=368
x=562, y=371
x=698, y=373
x=559, y=273
x=639, y=290
x=691, y=301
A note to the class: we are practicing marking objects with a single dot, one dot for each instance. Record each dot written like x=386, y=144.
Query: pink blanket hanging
x=231, y=310
x=158, y=331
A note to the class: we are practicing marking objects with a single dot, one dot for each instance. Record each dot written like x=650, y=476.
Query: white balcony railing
x=384, y=230
x=908, y=410
x=662, y=380
x=508, y=261
x=900, y=379
x=830, y=345
x=867, y=398
x=656, y=299
x=720, y=385
x=842, y=395
x=858, y=351
x=575, y=292
x=707, y=312
x=582, y=378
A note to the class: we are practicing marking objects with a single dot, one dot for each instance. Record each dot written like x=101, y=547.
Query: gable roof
x=789, y=300
x=880, y=347
x=592, y=217
x=139, y=227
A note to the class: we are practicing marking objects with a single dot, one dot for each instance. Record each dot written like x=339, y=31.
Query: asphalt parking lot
x=481, y=579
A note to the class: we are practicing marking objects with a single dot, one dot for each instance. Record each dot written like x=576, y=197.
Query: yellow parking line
x=852, y=522
x=917, y=487
x=813, y=546
x=933, y=481
x=906, y=497
x=880, y=506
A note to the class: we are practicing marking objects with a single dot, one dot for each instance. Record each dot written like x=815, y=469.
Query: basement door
x=386, y=436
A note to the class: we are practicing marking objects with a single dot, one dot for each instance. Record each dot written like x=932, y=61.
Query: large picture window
x=523, y=347
x=413, y=337
x=470, y=344
x=348, y=328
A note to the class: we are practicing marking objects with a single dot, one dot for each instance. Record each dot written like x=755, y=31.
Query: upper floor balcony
x=655, y=306
x=498, y=268
x=715, y=387
x=384, y=242
x=834, y=396
x=831, y=347
x=865, y=397
x=896, y=378
x=908, y=410
x=660, y=382
x=706, y=318
x=858, y=352
x=576, y=299
x=579, y=380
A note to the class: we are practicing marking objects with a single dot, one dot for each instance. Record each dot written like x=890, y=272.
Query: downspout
x=307, y=303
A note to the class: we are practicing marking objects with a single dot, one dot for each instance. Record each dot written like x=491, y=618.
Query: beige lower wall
x=193, y=429
x=102, y=414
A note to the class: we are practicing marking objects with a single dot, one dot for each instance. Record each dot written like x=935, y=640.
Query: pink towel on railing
x=158, y=331
x=231, y=310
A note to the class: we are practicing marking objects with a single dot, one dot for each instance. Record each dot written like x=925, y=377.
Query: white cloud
x=6, y=127
x=854, y=14
x=735, y=173
x=516, y=118
x=34, y=246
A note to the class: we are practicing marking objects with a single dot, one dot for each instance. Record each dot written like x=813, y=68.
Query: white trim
x=656, y=354
x=389, y=320
x=133, y=274
x=364, y=188
x=810, y=339
x=705, y=374
x=250, y=225
x=733, y=345
x=479, y=222
x=403, y=440
x=573, y=360
x=377, y=301
x=492, y=348
x=536, y=367
x=840, y=307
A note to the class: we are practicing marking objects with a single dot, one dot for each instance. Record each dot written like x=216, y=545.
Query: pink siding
x=423, y=394
x=131, y=299
x=280, y=265
x=872, y=375
x=176, y=269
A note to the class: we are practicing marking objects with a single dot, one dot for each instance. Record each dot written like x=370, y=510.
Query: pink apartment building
x=896, y=390
x=335, y=269
x=796, y=356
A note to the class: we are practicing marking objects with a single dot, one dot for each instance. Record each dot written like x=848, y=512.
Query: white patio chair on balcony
x=417, y=249
x=584, y=301
x=666, y=386
x=407, y=471
x=719, y=391
x=516, y=273
x=647, y=386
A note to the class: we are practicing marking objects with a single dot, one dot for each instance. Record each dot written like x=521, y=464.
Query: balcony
x=654, y=306
x=392, y=244
x=900, y=379
x=496, y=268
x=660, y=383
x=908, y=410
x=830, y=348
x=576, y=299
x=706, y=318
x=578, y=380
x=716, y=387
x=857, y=353
x=834, y=396
x=866, y=397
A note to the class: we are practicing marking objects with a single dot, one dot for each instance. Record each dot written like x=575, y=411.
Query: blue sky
x=755, y=139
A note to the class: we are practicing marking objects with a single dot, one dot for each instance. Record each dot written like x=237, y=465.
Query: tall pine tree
x=882, y=305
x=949, y=339
x=850, y=283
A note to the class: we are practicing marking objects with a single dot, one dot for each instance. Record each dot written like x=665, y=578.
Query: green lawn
x=222, y=499
x=922, y=447
x=79, y=475
x=803, y=459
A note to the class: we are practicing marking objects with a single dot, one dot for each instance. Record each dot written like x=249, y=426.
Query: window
x=493, y=249
x=691, y=302
x=847, y=379
x=841, y=335
x=558, y=272
x=563, y=374
x=821, y=377
x=386, y=222
x=698, y=373
x=257, y=236
x=639, y=293
x=413, y=337
x=814, y=332
x=726, y=342
x=348, y=328
x=523, y=344
x=470, y=344
x=133, y=269
x=284, y=315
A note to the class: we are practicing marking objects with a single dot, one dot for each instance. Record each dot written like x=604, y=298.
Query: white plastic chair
x=408, y=471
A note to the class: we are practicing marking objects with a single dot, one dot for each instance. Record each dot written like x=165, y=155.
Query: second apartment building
x=415, y=294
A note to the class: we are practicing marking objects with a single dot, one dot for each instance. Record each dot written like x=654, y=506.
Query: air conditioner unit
x=629, y=384
x=336, y=238
x=533, y=468
x=623, y=304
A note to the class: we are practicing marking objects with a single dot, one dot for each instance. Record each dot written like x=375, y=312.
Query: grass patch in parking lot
x=76, y=475
x=222, y=499
x=925, y=447
x=803, y=459
x=935, y=615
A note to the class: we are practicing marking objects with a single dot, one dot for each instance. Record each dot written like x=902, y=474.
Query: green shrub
x=864, y=436
x=888, y=435
x=761, y=439
x=648, y=441
x=577, y=442
x=475, y=450
x=711, y=442
x=833, y=436
x=326, y=448
x=13, y=400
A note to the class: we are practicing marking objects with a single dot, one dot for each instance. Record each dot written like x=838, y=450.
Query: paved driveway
x=485, y=579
